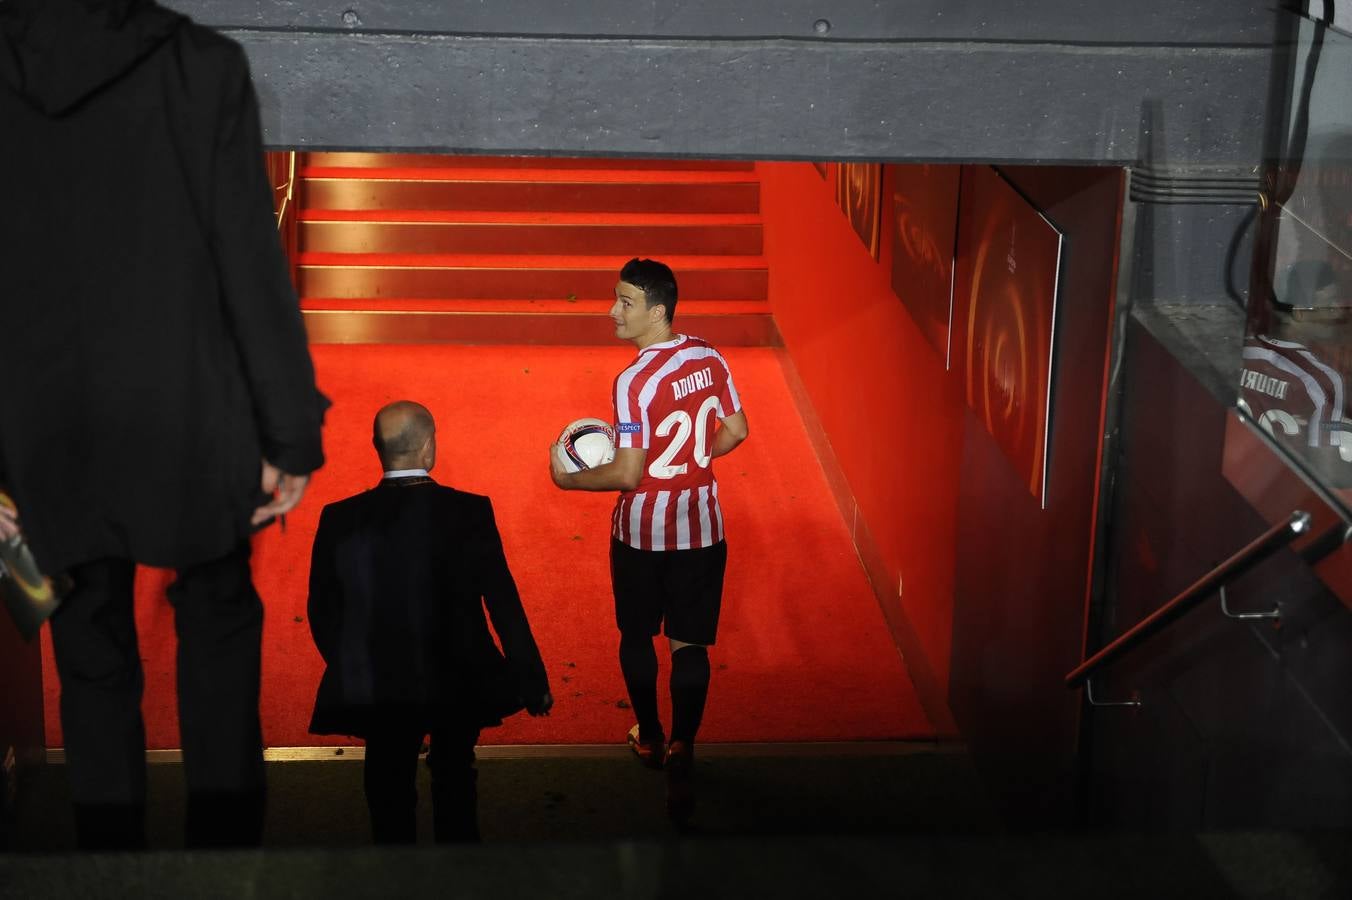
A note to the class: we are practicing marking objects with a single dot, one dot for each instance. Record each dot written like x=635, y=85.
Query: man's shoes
x=650, y=753
x=680, y=782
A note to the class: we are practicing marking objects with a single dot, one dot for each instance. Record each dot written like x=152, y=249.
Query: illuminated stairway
x=515, y=250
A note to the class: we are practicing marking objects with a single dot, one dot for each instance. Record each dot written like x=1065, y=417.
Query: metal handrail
x=290, y=187
x=1260, y=548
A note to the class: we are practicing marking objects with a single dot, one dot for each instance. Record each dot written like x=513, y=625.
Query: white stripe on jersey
x=683, y=520
x=1334, y=376
x=705, y=531
x=660, y=518
x=1336, y=380
x=636, y=521
x=732, y=391
x=622, y=384
x=1312, y=387
x=718, y=511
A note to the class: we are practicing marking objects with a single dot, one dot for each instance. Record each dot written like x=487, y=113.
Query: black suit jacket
x=399, y=581
x=151, y=345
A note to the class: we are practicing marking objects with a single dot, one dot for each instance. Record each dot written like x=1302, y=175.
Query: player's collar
x=674, y=341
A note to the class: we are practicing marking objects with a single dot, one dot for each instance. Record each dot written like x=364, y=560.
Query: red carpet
x=803, y=652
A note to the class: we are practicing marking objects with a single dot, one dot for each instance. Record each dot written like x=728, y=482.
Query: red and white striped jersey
x=666, y=403
x=1298, y=398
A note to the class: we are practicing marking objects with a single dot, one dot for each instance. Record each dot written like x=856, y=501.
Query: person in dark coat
x=157, y=397
x=399, y=580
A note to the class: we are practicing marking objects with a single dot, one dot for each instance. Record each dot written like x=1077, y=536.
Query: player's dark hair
x=417, y=427
x=656, y=280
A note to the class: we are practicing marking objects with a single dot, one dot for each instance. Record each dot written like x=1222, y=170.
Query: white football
x=585, y=444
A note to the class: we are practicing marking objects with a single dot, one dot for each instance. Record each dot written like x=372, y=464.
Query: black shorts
x=678, y=591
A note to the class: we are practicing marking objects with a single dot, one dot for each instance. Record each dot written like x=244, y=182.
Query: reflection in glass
x=1296, y=361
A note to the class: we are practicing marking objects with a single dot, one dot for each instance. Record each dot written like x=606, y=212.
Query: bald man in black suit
x=399, y=580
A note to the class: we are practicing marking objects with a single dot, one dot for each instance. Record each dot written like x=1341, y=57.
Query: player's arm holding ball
x=621, y=474
x=585, y=458
x=625, y=471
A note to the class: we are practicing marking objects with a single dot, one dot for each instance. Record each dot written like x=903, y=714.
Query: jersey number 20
x=680, y=420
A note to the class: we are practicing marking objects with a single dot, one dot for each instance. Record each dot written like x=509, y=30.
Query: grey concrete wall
x=1192, y=254
x=1044, y=81
x=1077, y=21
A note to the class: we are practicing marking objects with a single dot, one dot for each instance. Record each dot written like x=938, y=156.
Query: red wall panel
x=893, y=419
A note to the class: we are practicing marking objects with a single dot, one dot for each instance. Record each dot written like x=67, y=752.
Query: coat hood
x=56, y=53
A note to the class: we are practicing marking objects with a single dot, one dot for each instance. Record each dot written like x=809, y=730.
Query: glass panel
x=1297, y=357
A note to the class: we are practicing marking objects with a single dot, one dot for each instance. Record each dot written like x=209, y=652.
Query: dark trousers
x=218, y=618
x=391, y=780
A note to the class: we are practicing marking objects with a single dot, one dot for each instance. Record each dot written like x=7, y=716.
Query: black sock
x=689, y=690
x=638, y=662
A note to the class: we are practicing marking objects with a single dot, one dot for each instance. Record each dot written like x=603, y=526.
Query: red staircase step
x=420, y=247
x=434, y=160
x=529, y=217
x=528, y=277
x=377, y=326
x=337, y=326
x=552, y=195
x=531, y=233
x=597, y=309
x=679, y=264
